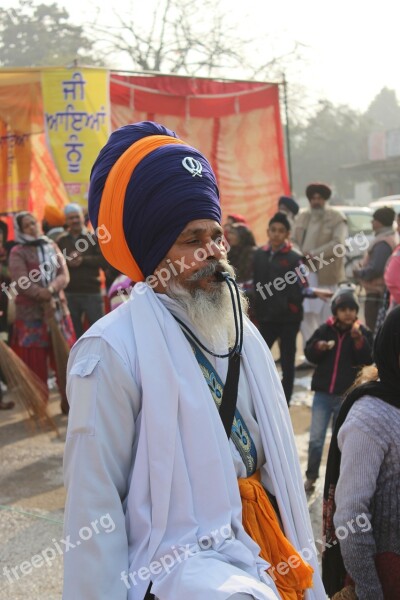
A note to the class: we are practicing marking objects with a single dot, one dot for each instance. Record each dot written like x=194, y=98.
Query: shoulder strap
x=230, y=393
x=233, y=422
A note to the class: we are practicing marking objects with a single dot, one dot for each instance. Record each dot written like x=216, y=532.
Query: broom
x=28, y=389
x=61, y=352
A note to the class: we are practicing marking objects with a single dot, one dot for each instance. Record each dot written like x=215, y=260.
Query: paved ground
x=31, y=502
x=32, y=497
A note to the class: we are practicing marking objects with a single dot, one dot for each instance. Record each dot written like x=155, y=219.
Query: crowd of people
x=86, y=286
x=179, y=424
x=348, y=363
x=60, y=277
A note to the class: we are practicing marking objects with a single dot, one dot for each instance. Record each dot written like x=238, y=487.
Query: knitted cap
x=345, y=297
x=237, y=218
x=73, y=207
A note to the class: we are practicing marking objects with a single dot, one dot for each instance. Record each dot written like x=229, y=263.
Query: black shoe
x=6, y=405
x=305, y=366
x=309, y=485
x=64, y=406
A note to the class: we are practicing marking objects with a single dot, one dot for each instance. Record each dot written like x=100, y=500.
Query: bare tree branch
x=177, y=41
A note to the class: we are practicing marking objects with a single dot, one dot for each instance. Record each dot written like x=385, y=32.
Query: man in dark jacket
x=338, y=348
x=280, y=286
x=84, y=261
x=371, y=272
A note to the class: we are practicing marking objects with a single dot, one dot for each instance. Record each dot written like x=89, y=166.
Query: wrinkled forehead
x=201, y=227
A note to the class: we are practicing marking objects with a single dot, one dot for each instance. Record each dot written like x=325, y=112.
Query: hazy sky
x=350, y=47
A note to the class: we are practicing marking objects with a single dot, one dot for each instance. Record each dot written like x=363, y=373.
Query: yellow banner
x=77, y=118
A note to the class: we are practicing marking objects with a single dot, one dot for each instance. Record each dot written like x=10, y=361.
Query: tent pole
x=287, y=132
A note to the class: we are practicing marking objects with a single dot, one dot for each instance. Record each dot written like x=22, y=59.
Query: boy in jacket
x=280, y=285
x=338, y=348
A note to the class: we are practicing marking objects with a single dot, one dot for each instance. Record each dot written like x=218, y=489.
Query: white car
x=392, y=201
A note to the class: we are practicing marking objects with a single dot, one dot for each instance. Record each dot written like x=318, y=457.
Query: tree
x=384, y=110
x=41, y=35
x=170, y=36
x=334, y=137
x=183, y=37
x=174, y=37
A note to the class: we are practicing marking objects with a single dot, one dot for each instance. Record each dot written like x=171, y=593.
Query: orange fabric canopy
x=235, y=124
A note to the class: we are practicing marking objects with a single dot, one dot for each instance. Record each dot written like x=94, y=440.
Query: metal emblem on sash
x=193, y=166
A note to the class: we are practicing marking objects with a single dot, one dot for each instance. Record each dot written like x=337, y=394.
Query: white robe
x=146, y=450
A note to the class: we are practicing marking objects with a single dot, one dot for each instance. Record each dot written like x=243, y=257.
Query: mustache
x=210, y=269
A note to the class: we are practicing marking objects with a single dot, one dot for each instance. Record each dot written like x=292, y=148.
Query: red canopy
x=236, y=124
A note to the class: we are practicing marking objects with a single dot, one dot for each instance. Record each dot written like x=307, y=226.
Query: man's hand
x=324, y=295
x=76, y=260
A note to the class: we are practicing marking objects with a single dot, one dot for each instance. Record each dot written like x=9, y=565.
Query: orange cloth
x=291, y=574
x=54, y=216
x=115, y=249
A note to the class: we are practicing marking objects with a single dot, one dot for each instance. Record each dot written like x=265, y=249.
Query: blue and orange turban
x=145, y=187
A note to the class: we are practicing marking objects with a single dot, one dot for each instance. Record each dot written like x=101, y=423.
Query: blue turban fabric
x=161, y=198
x=290, y=204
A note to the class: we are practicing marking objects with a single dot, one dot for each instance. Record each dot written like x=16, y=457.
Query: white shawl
x=183, y=464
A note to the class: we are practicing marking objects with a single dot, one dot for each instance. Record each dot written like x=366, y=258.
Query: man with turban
x=319, y=233
x=180, y=465
x=289, y=206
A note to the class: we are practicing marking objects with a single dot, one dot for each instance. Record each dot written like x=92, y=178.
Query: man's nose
x=215, y=251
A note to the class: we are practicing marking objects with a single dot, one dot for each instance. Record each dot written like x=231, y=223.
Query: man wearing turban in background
x=289, y=206
x=177, y=413
x=318, y=232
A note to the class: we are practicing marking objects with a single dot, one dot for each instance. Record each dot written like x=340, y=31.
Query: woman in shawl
x=242, y=247
x=362, y=485
x=39, y=275
x=4, y=301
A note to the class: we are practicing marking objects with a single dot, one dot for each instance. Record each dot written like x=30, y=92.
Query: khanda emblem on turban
x=193, y=166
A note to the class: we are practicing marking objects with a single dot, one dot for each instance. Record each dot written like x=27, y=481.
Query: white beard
x=211, y=312
x=317, y=213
